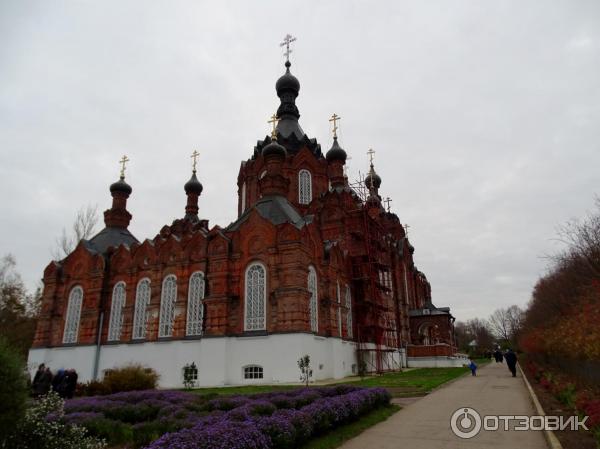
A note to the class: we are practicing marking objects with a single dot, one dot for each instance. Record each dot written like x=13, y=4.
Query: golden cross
x=274, y=122
x=371, y=152
x=387, y=202
x=287, y=40
x=334, y=118
x=194, y=156
x=123, y=161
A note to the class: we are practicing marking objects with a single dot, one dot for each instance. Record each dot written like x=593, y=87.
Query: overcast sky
x=485, y=117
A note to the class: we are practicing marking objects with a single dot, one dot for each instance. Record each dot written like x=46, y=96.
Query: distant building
x=312, y=266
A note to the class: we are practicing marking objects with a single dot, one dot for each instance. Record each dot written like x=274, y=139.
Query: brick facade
x=349, y=239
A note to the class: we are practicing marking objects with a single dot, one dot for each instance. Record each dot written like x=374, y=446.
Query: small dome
x=287, y=82
x=336, y=153
x=372, y=179
x=274, y=148
x=120, y=186
x=193, y=185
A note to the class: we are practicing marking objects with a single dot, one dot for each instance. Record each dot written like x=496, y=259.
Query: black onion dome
x=121, y=186
x=336, y=153
x=372, y=179
x=274, y=148
x=193, y=185
x=287, y=82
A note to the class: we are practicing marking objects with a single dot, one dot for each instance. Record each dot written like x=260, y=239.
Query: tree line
x=562, y=319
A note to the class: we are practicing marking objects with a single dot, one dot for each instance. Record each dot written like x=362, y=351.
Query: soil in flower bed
x=569, y=439
x=166, y=419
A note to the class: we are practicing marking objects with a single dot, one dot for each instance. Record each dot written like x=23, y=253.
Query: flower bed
x=167, y=419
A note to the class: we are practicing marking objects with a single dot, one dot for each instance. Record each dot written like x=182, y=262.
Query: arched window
x=255, y=301
x=73, y=315
x=243, y=195
x=195, y=311
x=253, y=372
x=116, y=312
x=304, y=187
x=348, y=312
x=168, y=296
x=313, y=305
x=339, y=309
x=140, y=315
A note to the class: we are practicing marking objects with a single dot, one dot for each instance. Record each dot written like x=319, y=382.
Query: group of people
x=63, y=382
x=509, y=356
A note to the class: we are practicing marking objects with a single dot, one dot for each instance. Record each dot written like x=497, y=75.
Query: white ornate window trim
x=115, y=323
x=195, y=309
x=348, y=312
x=255, y=300
x=304, y=187
x=73, y=315
x=140, y=314
x=168, y=297
x=314, y=299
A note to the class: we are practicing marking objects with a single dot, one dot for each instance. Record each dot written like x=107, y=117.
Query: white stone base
x=220, y=361
x=437, y=362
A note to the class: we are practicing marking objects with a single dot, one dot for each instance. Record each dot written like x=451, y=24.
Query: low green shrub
x=115, y=432
x=131, y=377
x=127, y=378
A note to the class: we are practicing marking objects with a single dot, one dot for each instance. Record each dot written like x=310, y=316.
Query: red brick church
x=312, y=265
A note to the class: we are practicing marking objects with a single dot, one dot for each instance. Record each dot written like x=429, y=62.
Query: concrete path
x=426, y=422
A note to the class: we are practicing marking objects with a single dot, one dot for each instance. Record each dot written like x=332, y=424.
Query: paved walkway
x=426, y=422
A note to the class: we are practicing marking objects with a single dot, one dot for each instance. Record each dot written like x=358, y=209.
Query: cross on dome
x=273, y=122
x=334, y=118
x=123, y=161
x=371, y=152
x=287, y=40
x=194, y=157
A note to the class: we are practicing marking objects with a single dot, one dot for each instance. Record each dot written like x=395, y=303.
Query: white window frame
x=304, y=187
x=195, y=307
x=313, y=306
x=255, y=316
x=168, y=298
x=73, y=315
x=253, y=372
x=348, y=311
x=143, y=293
x=115, y=323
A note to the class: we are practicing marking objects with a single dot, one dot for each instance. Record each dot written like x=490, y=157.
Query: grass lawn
x=416, y=382
x=341, y=434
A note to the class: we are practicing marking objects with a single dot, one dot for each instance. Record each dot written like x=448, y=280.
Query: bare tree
x=505, y=324
x=83, y=228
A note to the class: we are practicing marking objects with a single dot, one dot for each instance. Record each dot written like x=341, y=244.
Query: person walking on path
x=473, y=368
x=511, y=361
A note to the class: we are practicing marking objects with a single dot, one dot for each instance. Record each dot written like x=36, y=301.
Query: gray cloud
x=485, y=118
